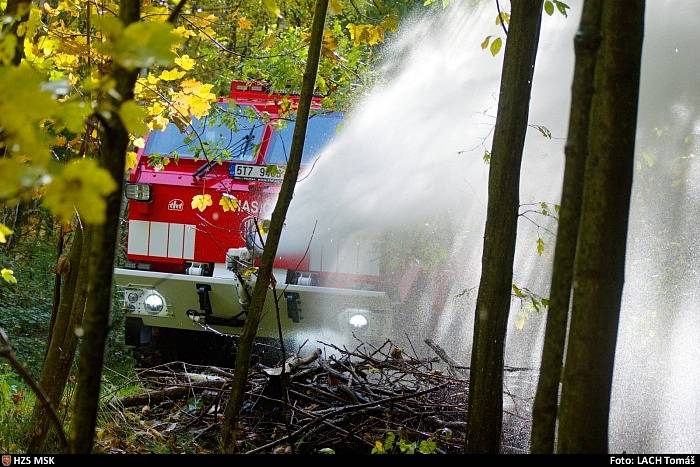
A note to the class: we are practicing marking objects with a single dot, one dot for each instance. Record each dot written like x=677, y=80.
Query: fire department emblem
x=6, y=460
x=175, y=205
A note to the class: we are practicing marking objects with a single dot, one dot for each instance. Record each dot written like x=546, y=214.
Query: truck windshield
x=319, y=132
x=222, y=135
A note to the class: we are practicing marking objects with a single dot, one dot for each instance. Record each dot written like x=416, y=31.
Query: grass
x=16, y=403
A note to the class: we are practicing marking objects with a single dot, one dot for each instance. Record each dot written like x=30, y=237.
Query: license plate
x=255, y=172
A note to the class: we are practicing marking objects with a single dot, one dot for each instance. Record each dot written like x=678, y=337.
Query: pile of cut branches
x=367, y=399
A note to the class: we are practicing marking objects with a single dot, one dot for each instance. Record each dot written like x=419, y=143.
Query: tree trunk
x=115, y=139
x=229, y=430
x=63, y=340
x=600, y=256
x=544, y=412
x=493, y=301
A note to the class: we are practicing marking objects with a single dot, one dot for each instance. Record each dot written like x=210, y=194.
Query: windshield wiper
x=240, y=148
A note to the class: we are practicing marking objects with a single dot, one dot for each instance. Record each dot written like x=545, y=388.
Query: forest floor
x=333, y=400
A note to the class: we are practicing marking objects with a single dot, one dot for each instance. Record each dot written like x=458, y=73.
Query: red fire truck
x=188, y=272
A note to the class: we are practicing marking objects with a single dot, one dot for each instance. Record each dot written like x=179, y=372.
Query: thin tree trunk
x=63, y=341
x=600, y=257
x=493, y=301
x=229, y=430
x=57, y=283
x=115, y=139
x=544, y=412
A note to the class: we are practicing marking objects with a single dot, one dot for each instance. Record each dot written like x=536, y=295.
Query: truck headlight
x=138, y=191
x=153, y=303
x=358, y=321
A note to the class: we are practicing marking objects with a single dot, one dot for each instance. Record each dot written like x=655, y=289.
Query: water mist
x=409, y=158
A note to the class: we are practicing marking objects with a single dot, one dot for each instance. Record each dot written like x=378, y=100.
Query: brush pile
x=367, y=399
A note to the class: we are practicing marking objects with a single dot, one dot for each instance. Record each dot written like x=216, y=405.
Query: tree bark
x=115, y=139
x=544, y=412
x=229, y=430
x=493, y=301
x=600, y=256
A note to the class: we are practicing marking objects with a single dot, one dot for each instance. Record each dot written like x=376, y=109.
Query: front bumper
x=306, y=312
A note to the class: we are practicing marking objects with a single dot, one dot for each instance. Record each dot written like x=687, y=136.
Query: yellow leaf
x=356, y=31
x=376, y=35
x=184, y=32
x=264, y=227
x=4, y=232
x=335, y=7
x=496, y=46
x=171, y=75
x=244, y=23
x=139, y=143
x=379, y=447
x=329, y=42
x=156, y=109
x=366, y=34
x=152, y=79
x=158, y=123
x=194, y=98
x=185, y=62
x=131, y=159
x=228, y=202
x=8, y=275
x=82, y=186
x=201, y=202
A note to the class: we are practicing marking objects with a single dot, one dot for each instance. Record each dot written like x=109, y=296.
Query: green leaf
x=272, y=170
x=496, y=46
x=487, y=156
x=389, y=441
x=546, y=132
x=562, y=7
x=326, y=451
x=406, y=447
x=540, y=246
x=549, y=7
x=518, y=293
x=503, y=17
x=145, y=44
x=134, y=117
x=427, y=446
x=485, y=43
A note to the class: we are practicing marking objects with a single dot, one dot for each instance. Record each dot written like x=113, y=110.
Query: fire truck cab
x=196, y=200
